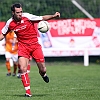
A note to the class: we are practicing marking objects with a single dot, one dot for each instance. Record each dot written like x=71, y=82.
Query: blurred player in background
x=11, y=47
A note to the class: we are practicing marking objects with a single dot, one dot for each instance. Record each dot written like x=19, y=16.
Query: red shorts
x=34, y=50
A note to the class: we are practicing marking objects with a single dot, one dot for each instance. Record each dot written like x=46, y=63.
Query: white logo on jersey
x=22, y=21
x=20, y=28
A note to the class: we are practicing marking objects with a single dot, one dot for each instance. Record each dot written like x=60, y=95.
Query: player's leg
x=8, y=56
x=28, y=69
x=42, y=71
x=19, y=72
x=23, y=62
x=39, y=58
x=29, y=65
x=15, y=68
x=15, y=61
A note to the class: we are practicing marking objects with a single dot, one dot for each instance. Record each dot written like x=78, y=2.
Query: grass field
x=68, y=81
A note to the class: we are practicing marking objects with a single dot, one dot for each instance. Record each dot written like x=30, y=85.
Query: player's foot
x=28, y=95
x=46, y=78
x=14, y=74
x=8, y=74
x=18, y=75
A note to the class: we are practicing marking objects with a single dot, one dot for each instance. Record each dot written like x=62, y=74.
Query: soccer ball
x=43, y=26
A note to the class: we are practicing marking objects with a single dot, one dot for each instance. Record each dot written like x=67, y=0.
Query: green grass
x=67, y=82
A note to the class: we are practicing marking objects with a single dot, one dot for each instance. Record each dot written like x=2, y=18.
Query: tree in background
x=41, y=7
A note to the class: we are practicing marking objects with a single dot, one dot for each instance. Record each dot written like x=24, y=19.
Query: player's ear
x=12, y=13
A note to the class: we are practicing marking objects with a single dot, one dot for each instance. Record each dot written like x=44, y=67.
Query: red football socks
x=26, y=82
x=28, y=68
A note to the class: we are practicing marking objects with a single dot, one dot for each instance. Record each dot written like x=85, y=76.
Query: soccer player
x=22, y=24
x=11, y=48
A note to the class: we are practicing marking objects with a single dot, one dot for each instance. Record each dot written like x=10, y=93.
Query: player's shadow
x=33, y=95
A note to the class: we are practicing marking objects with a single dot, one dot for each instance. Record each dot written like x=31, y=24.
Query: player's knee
x=43, y=70
x=23, y=69
x=7, y=59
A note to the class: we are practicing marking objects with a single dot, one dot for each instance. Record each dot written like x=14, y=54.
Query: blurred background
x=41, y=7
x=67, y=9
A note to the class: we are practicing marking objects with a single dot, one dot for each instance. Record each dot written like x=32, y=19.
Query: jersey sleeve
x=32, y=17
x=6, y=27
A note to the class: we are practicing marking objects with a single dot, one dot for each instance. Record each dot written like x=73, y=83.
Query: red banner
x=1, y=25
x=70, y=37
x=73, y=27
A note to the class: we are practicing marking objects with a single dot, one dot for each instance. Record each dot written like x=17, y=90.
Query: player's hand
x=11, y=40
x=57, y=14
x=3, y=44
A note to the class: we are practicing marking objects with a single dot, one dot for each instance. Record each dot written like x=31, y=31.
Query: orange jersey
x=10, y=47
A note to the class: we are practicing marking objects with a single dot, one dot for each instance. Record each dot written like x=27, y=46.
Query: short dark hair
x=16, y=5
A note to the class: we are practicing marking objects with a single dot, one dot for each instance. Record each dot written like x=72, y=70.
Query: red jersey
x=24, y=29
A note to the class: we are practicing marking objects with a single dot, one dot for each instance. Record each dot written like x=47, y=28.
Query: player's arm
x=4, y=44
x=1, y=36
x=5, y=30
x=48, y=17
x=15, y=39
x=39, y=18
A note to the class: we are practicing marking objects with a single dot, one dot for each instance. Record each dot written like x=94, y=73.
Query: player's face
x=17, y=14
